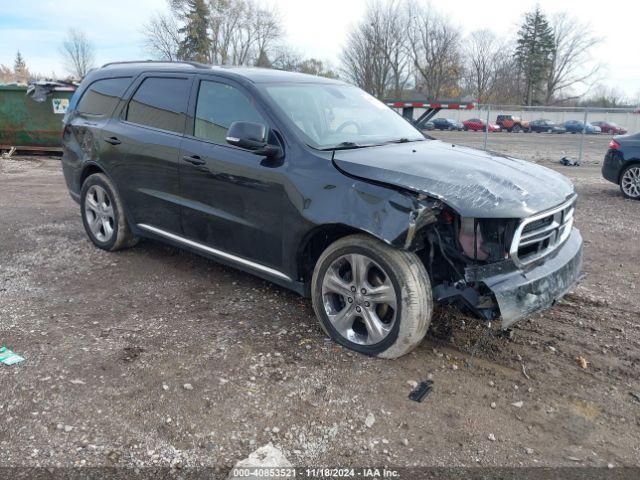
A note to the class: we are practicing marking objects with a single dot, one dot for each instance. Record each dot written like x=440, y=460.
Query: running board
x=215, y=252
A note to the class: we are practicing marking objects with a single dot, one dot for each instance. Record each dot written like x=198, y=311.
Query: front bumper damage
x=520, y=293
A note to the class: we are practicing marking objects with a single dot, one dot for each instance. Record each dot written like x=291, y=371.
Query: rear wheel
x=516, y=129
x=630, y=182
x=372, y=298
x=103, y=214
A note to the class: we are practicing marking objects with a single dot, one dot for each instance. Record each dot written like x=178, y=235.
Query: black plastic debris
x=40, y=90
x=568, y=162
x=421, y=391
x=635, y=396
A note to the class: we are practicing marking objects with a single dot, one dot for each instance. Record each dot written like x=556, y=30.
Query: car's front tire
x=103, y=215
x=372, y=298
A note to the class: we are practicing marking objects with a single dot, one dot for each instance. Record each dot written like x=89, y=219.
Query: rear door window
x=102, y=96
x=218, y=106
x=160, y=103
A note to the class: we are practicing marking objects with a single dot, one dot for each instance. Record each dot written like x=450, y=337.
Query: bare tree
x=573, y=42
x=435, y=50
x=375, y=56
x=162, y=37
x=485, y=55
x=78, y=53
x=243, y=33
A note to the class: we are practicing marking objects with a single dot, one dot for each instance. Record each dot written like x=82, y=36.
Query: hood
x=472, y=182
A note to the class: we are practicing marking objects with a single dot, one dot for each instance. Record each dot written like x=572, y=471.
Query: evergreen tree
x=196, y=43
x=19, y=65
x=534, y=49
x=20, y=72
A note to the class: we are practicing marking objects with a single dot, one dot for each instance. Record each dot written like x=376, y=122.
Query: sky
x=314, y=28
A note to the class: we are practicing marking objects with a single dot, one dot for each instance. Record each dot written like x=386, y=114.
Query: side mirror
x=247, y=135
x=252, y=136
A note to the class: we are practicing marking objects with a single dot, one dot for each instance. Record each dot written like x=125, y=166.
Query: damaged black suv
x=317, y=186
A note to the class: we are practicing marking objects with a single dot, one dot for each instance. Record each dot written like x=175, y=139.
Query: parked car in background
x=622, y=164
x=543, y=125
x=512, y=123
x=576, y=126
x=610, y=127
x=315, y=185
x=428, y=125
x=447, y=124
x=477, y=125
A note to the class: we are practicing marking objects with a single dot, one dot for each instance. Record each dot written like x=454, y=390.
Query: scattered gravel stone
x=68, y=428
x=275, y=430
x=491, y=437
x=518, y=404
x=493, y=405
x=187, y=386
x=529, y=451
x=405, y=442
x=165, y=386
x=264, y=457
x=412, y=383
x=370, y=420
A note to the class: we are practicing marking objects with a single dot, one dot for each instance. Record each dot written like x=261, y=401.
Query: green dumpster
x=30, y=125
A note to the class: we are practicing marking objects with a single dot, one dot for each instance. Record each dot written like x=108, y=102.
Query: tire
x=103, y=215
x=630, y=181
x=400, y=322
x=516, y=129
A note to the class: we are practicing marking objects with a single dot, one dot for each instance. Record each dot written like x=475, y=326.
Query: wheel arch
x=316, y=241
x=89, y=169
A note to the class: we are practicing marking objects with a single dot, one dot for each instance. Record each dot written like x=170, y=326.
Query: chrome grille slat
x=556, y=227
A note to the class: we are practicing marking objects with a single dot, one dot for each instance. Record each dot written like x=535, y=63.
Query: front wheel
x=372, y=298
x=630, y=182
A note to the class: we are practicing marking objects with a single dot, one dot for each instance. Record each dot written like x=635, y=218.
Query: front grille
x=539, y=235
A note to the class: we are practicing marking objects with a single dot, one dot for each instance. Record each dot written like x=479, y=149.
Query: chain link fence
x=543, y=133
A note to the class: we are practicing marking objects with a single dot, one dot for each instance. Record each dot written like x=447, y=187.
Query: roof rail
x=184, y=62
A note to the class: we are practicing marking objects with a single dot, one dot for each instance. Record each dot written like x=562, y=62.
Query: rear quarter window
x=160, y=103
x=102, y=96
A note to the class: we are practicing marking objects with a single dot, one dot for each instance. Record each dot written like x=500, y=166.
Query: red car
x=610, y=127
x=477, y=125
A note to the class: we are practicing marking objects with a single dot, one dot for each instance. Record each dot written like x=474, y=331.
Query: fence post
x=584, y=129
x=486, y=127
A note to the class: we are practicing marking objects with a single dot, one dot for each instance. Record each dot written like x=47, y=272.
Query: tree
x=435, y=52
x=572, y=43
x=534, y=50
x=162, y=37
x=78, y=53
x=375, y=55
x=485, y=58
x=20, y=71
x=195, y=43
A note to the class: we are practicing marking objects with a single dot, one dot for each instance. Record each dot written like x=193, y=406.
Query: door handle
x=113, y=141
x=194, y=159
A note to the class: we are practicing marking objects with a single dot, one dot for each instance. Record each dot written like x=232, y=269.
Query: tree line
x=406, y=44
x=226, y=32
x=398, y=49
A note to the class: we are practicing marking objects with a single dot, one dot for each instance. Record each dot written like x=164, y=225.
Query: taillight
x=613, y=145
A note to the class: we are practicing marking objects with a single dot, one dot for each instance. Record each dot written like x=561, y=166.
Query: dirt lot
x=154, y=356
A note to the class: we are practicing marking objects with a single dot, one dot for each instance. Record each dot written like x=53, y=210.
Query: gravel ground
x=154, y=356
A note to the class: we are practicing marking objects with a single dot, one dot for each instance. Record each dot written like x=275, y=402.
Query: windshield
x=339, y=116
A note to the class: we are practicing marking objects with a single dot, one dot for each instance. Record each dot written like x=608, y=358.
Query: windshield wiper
x=346, y=146
x=404, y=140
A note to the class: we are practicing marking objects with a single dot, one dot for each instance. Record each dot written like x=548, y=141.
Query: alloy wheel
x=99, y=213
x=359, y=299
x=630, y=182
